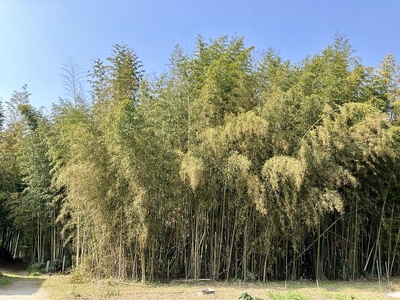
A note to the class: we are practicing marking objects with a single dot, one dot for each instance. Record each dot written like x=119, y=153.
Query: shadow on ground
x=15, y=281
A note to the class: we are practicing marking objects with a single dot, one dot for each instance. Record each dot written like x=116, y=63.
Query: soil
x=22, y=286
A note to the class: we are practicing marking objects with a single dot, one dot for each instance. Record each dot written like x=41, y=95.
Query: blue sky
x=37, y=37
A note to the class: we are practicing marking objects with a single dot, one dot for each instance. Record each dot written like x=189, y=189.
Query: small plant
x=340, y=296
x=246, y=296
x=288, y=296
x=36, y=269
x=295, y=296
x=275, y=296
x=77, y=276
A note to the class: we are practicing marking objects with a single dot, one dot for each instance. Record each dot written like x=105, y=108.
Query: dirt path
x=23, y=289
x=22, y=286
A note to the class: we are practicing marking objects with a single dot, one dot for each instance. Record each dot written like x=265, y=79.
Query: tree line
x=230, y=165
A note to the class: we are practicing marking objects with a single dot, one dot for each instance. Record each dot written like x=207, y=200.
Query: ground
x=18, y=285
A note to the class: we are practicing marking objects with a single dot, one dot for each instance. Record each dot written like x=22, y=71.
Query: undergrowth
x=36, y=269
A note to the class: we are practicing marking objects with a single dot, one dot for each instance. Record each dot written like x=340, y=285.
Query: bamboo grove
x=230, y=165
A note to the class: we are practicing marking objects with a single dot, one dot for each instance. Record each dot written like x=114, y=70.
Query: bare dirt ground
x=21, y=286
x=60, y=287
x=394, y=295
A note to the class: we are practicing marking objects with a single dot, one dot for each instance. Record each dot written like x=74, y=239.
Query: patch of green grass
x=296, y=296
x=287, y=296
x=4, y=280
x=246, y=296
x=275, y=296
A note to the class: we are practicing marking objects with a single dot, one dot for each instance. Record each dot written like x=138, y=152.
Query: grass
x=7, y=279
x=76, y=286
x=61, y=287
x=4, y=280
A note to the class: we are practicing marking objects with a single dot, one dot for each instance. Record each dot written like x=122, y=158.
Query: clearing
x=17, y=285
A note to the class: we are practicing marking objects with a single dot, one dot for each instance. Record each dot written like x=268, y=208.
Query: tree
x=10, y=179
x=35, y=212
x=1, y=115
x=72, y=78
x=222, y=167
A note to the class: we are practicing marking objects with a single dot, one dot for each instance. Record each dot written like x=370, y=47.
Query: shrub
x=36, y=268
x=78, y=276
x=56, y=265
x=246, y=296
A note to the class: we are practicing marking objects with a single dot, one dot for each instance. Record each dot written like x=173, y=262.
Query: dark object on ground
x=207, y=291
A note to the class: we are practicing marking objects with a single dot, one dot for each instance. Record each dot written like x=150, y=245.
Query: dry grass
x=61, y=287
x=71, y=287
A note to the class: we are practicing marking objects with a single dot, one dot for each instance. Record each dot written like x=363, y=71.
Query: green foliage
x=36, y=269
x=224, y=166
x=338, y=296
x=56, y=265
x=4, y=280
x=2, y=115
x=287, y=296
x=246, y=296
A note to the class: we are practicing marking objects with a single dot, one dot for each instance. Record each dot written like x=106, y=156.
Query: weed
x=288, y=296
x=339, y=296
x=295, y=296
x=246, y=296
x=275, y=296
x=78, y=276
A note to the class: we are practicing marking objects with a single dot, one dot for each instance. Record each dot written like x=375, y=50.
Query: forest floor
x=16, y=284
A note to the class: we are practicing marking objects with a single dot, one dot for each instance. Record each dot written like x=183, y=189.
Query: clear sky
x=37, y=36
